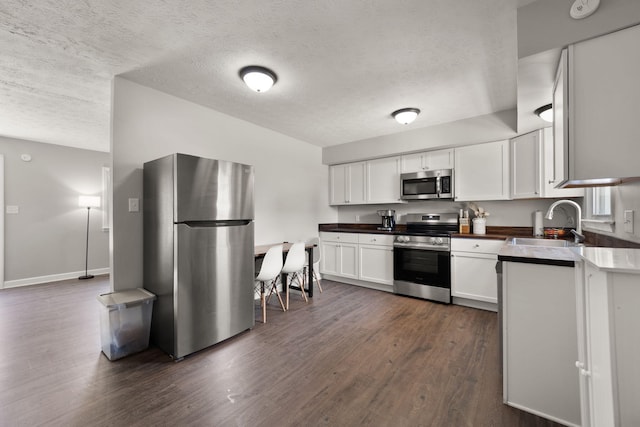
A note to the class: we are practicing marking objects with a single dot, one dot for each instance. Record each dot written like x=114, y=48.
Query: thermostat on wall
x=26, y=157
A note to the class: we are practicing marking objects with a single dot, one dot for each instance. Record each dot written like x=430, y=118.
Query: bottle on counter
x=464, y=227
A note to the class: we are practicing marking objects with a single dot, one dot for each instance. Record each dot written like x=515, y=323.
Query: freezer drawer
x=213, y=291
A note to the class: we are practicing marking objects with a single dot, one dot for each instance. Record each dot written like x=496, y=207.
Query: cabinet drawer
x=339, y=237
x=489, y=246
x=375, y=239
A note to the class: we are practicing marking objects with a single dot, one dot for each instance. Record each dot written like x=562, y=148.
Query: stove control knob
x=432, y=240
x=439, y=240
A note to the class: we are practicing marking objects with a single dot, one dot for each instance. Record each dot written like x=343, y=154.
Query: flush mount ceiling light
x=545, y=113
x=583, y=8
x=259, y=79
x=405, y=116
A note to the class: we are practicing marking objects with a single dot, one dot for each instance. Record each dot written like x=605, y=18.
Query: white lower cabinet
x=376, y=258
x=339, y=254
x=540, y=343
x=609, y=346
x=473, y=272
x=358, y=258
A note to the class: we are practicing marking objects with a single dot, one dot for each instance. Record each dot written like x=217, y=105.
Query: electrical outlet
x=628, y=221
x=357, y=218
x=134, y=205
x=12, y=209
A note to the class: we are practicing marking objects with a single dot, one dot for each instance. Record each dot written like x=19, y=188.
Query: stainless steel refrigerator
x=198, y=250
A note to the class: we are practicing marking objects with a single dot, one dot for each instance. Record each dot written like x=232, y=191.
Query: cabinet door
x=383, y=180
x=549, y=172
x=348, y=260
x=473, y=276
x=482, y=171
x=560, y=124
x=412, y=162
x=338, y=181
x=599, y=349
x=438, y=159
x=540, y=341
x=376, y=263
x=525, y=166
x=357, y=183
x=427, y=160
x=330, y=258
x=603, y=106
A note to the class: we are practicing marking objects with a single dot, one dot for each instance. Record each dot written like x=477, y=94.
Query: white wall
x=491, y=127
x=46, y=240
x=291, y=184
x=546, y=24
x=626, y=196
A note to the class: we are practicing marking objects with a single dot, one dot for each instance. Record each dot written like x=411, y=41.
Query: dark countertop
x=494, y=233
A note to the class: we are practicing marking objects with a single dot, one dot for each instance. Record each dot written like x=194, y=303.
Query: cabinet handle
x=551, y=181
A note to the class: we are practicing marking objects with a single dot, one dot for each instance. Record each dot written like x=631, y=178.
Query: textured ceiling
x=343, y=65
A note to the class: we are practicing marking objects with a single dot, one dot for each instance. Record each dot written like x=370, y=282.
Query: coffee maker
x=388, y=219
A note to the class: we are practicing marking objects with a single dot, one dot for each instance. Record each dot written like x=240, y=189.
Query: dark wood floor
x=352, y=356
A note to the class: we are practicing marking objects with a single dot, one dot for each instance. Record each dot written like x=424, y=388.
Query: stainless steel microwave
x=435, y=184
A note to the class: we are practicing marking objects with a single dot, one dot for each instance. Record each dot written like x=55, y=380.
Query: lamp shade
x=89, y=201
x=405, y=115
x=259, y=79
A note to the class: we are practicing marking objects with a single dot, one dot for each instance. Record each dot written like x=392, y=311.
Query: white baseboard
x=52, y=278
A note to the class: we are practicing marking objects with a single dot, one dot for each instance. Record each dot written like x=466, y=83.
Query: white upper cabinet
x=427, y=160
x=383, y=180
x=373, y=181
x=526, y=166
x=482, y=171
x=600, y=106
x=549, y=180
x=533, y=167
x=347, y=183
x=560, y=130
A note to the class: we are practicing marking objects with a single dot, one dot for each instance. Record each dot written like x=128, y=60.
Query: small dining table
x=260, y=251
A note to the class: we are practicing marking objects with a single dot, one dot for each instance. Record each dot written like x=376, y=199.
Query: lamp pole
x=86, y=254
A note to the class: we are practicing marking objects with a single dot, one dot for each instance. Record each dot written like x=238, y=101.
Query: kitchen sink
x=530, y=241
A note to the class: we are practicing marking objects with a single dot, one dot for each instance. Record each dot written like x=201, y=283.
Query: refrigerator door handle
x=220, y=223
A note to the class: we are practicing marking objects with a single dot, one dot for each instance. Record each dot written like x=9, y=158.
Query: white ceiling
x=343, y=65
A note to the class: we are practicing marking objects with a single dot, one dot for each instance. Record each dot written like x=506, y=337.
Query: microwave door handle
x=438, y=186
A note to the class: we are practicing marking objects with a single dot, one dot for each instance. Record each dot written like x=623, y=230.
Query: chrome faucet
x=578, y=236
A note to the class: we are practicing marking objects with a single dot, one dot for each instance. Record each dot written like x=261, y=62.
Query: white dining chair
x=293, y=266
x=316, y=261
x=269, y=273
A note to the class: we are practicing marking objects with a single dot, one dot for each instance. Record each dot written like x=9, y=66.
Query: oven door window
x=422, y=266
x=416, y=187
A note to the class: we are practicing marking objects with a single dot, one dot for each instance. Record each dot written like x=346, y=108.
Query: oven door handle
x=421, y=247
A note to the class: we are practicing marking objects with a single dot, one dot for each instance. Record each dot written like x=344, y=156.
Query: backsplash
x=502, y=212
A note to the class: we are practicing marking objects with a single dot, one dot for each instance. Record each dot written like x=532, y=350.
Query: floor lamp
x=88, y=202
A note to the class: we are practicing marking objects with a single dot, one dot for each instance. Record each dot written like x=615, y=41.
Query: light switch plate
x=12, y=209
x=628, y=221
x=134, y=205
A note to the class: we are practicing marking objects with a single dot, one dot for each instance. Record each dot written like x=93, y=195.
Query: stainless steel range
x=422, y=257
